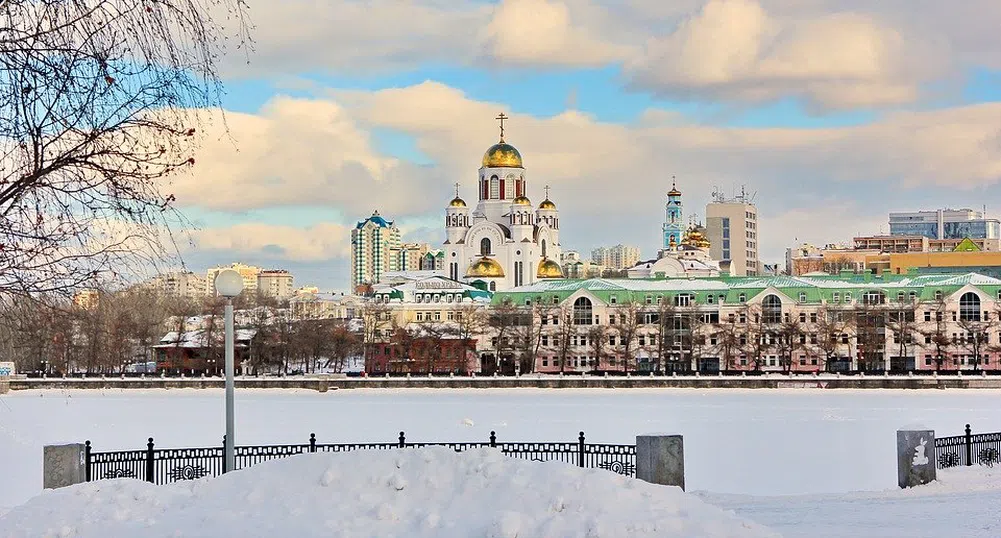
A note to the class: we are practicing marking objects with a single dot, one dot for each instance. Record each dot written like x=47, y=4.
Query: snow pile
x=413, y=493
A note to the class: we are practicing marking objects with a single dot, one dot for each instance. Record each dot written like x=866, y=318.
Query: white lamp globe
x=229, y=283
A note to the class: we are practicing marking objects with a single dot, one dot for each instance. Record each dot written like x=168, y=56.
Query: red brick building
x=421, y=355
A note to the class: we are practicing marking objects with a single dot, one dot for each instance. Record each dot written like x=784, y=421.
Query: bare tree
x=728, y=335
x=99, y=103
x=788, y=342
x=938, y=334
x=902, y=324
x=974, y=337
x=626, y=330
x=832, y=328
x=870, y=335
x=597, y=337
x=759, y=336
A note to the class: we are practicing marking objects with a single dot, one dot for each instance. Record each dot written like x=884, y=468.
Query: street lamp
x=229, y=284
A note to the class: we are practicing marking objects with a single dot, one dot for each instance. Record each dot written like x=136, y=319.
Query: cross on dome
x=501, y=117
x=547, y=192
x=456, y=189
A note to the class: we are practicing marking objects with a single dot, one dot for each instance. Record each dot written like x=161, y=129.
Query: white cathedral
x=504, y=242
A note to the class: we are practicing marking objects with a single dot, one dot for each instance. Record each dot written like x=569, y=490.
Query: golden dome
x=549, y=269
x=457, y=202
x=485, y=267
x=502, y=155
x=547, y=204
x=674, y=192
x=522, y=200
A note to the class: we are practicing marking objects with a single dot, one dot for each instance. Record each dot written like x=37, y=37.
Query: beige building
x=418, y=257
x=275, y=283
x=179, y=284
x=616, y=258
x=373, y=243
x=315, y=305
x=87, y=299
x=732, y=231
x=248, y=272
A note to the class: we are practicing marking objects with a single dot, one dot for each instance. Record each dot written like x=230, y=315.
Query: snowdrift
x=429, y=492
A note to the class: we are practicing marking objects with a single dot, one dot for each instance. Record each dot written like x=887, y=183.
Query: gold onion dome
x=547, y=204
x=522, y=200
x=502, y=155
x=674, y=192
x=457, y=202
x=485, y=267
x=549, y=269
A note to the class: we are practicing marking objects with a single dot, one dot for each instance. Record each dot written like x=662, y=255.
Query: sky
x=832, y=113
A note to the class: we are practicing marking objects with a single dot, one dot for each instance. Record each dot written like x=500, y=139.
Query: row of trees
x=49, y=333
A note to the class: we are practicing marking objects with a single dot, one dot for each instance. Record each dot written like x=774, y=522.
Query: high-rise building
x=732, y=230
x=418, y=257
x=179, y=284
x=616, y=258
x=275, y=283
x=248, y=272
x=945, y=224
x=373, y=242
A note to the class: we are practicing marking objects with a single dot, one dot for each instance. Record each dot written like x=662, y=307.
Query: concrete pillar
x=63, y=465
x=915, y=457
x=660, y=459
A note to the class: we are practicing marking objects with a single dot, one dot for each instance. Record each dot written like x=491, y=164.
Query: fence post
x=493, y=439
x=915, y=457
x=312, y=442
x=969, y=446
x=223, y=453
x=660, y=459
x=403, y=440
x=580, y=450
x=149, y=462
x=86, y=452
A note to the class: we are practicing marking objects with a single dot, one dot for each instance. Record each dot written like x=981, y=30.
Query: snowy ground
x=747, y=442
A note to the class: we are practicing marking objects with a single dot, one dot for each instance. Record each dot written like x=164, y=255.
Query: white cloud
x=321, y=241
x=542, y=32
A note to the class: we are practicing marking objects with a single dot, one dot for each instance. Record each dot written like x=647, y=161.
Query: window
x=612, y=300
x=683, y=299
x=802, y=317
x=582, y=311
x=938, y=295
x=710, y=299
x=742, y=298
x=848, y=296
x=802, y=296
x=771, y=308
x=837, y=297
x=927, y=316
x=900, y=296
x=873, y=297
x=813, y=317
x=969, y=307
x=493, y=286
x=485, y=246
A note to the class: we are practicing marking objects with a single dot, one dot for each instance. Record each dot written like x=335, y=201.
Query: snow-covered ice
x=429, y=492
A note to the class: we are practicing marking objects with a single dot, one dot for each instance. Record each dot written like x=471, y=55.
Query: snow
x=817, y=445
x=430, y=492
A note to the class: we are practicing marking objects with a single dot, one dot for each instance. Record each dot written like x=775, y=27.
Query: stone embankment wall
x=322, y=384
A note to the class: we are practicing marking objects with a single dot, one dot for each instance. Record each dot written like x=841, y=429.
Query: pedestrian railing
x=968, y=449
x=164, y=465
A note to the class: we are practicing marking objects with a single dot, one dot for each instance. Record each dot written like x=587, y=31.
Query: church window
x=494, y=188
x=543, y=248
x=493, y=286
x=509, y=187
x=582, y=311
x=485, y=246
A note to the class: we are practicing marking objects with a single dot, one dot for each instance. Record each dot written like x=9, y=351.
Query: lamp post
x=229, y=284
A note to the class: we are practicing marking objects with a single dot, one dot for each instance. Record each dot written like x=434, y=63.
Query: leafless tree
x=626, y=330
x=728, y=335
x=870, y=335
x=758, y=339
x=788, y=338
x=99, y=105
x=937, y=334
x=832, y=328
x=974, y=337
x=902, y=323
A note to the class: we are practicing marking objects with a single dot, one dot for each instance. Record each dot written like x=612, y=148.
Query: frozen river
x=758, y=442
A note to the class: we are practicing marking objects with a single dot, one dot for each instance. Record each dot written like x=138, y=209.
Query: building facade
x=945, y=224
x=503, y=242
x=180, y=284
x=248, y=272
x=618, y=257
x=848, y=322
x=373, y=242
x=277, y=283
x=732, y=230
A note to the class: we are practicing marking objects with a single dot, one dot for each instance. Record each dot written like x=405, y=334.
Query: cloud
x=542, y=32
x=321, y=241
x=735, y=49
x=298, y=152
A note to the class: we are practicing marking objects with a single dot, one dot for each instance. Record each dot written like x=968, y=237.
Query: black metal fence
x=967, y=449
x=164, y=465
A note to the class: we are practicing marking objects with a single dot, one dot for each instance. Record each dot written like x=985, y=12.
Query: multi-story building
x=418, y=257
x=316, y=305
x=373, y=242
x=618, y=257
x=179, y=284
x=732, y=231
x=807, y=259
x=800, y=324
x=955, y=224
x=921, y=243
x=87, y=299
x=277, y=283
x=248, y=272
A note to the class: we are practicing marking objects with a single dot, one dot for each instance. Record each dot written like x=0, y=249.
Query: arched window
x=583, y=314
x=485, y=246
x=771, y=309
x=509, y=187
x=494, y=188
x=493, y=286
x=969, y=307
x=874, y=297
x=543, y=248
